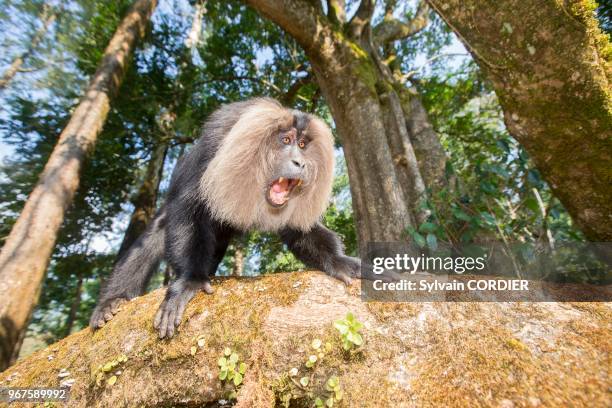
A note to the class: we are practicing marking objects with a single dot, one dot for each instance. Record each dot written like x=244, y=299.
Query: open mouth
x=280, y=190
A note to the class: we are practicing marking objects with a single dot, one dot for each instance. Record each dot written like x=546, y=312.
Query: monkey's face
x=273, y=169
x=292, y=169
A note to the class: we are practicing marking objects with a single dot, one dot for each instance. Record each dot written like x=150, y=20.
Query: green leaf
x=333, y=381
x=419, y=240
x=341, y=326
x=237, y=379
x=461, y=215
x=427, y=227
x=330, y=402
x=242, y=368
x=312, y=359
x=318, y=402
x=316, y=344
x=432, y=242
x=532, y=204
x=227, y=351
x=234, y=357
x=339, y=394
x=304, y=381
x=222, y=362
x=489, y=219
x=222, y=374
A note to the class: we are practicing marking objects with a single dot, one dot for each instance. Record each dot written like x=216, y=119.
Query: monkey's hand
x=105, y=311
x=345, y=268
x=348, y=267
x=170, y=312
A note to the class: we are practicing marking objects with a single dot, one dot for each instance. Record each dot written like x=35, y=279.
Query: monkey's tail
x=134, y=270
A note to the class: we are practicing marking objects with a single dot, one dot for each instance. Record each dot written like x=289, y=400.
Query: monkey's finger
x=344, y=278
x=116, y=304
x=158, y=316
x=207, y=287
x=108, y=315
x=171, y=317
x=179, y=312
x=163, y=326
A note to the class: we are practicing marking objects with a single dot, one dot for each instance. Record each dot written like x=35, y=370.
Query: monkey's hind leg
x=132, y=273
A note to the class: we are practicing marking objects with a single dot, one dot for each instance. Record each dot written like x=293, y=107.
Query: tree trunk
x=74, y=308
x=47, y=17
x=195, y=34
x=447, y=354
x=145, y=203
x=25, y=255
x=238, y=265
x=551, y=71
x=377, y=120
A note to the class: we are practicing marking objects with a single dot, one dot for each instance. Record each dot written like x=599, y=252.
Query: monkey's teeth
x=299, y=183
x=280, y=180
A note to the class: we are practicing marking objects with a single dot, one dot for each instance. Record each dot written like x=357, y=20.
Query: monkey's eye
x=302, y=144
x=286, y=140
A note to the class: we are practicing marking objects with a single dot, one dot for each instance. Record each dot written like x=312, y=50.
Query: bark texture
x=47, y=18
x=542, y=354
x=377, y=119
x=550, y=67
x=25, y=255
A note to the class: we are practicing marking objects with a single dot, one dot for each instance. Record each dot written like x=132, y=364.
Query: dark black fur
x=186, y=235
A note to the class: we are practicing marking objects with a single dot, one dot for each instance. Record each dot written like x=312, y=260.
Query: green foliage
x=230, y=368
x=349, y=328
x=492, y=182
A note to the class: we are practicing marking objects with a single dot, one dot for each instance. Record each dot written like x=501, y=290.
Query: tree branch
x=288, y=97
x=392, y=29
x=336, y=11
x=362, y=17
x=271, y=321
x=299, y=18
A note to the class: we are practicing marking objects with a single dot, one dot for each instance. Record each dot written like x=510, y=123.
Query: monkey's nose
x=298, y=163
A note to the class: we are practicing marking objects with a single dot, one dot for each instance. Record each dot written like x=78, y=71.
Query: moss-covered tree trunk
x=501, y=354
x=25, y=255
x=551, y=68
x=377, y=119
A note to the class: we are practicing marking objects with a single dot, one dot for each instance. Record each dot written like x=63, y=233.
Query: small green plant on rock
x=109, y=371
x=335, y=393
x=349, y=328
x=231, y=370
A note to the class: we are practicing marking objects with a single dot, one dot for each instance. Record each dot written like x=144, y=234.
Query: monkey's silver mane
x=234, y=183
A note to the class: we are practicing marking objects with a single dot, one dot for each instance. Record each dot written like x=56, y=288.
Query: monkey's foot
x=105, y=311
x=170, y=312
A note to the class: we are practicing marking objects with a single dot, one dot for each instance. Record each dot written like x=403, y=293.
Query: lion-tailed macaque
x=257, y=165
